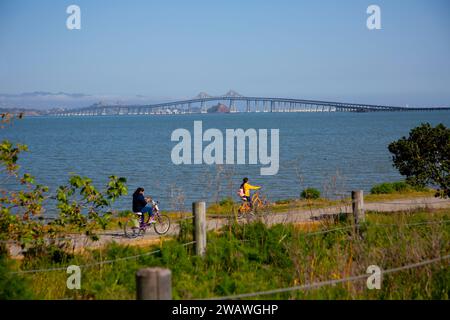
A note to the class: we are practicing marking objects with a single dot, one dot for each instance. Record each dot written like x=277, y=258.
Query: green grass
x=249, y=258
x=403, y=195
x=395, y=187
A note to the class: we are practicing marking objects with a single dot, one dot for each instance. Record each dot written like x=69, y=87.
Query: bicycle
x=258, y=203
x=133, y=228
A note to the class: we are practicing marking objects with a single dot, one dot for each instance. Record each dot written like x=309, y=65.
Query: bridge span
x=236, y=103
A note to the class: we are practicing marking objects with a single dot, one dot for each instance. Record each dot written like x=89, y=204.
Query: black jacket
x=138, y=202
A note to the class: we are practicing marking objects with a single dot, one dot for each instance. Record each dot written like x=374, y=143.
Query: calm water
x=315, y=149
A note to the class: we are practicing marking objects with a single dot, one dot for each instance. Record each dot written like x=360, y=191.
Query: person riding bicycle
x=244, y=191
x=143, y=205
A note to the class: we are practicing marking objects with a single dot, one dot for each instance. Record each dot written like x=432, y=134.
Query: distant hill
x=26, y=112
x=44, y=100
x=219, y=108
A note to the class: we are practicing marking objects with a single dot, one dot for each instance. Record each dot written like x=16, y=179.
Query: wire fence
x=83, y=236
x=96, y=263
x=184, y=218
x=412, y=224
x=308, y=234
x=74, y=237
x=410, y=203
x=328, y=282
x=313, y=233
x=80, y=237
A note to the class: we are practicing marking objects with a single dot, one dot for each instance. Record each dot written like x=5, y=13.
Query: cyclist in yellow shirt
x=244, y=191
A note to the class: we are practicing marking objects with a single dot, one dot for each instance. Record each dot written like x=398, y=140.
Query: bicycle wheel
x=162, y=224
x=132, y=229
x=243, y=209
x=257, y=205
x=266, y=203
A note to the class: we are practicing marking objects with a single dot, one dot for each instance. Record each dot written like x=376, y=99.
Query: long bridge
x=203, y=101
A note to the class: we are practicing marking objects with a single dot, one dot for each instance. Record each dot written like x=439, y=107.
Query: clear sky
x=175, y=49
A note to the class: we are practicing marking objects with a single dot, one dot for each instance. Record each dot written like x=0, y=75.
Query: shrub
x=224, y=206
x=382, y=188
x=228, y=201
x=418, y=188
x=310, y=193
x=392, y=187
x=424, y=157
x=12, y=286
x=401, y=186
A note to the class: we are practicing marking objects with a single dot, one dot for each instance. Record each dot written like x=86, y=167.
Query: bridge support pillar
x=232, y=106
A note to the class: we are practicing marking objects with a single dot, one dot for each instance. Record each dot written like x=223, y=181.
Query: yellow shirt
x=248, y=187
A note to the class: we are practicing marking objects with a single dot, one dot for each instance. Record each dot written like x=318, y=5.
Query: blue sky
x=175, y=49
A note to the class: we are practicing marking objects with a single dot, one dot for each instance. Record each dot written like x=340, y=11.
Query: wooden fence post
x=358, y=207
x=154, y=284
x=199, y=211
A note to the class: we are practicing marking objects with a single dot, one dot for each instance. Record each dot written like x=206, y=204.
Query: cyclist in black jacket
x=140, y=204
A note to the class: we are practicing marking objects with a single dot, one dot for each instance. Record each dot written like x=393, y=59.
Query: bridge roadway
x=199, y=104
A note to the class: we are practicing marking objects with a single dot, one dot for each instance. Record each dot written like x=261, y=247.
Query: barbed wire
x=308, y=234
x=328, y=282
x=410, y=203
x=221, y=216
x=75, y=237
x=184, y=218
x=373, y=224
x=192, y=242
x=412, y=224
x=327, y=231
x=190, y=217
x=81, y=236
x=96, y=263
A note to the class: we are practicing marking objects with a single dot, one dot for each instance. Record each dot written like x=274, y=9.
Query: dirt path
x=292, y=216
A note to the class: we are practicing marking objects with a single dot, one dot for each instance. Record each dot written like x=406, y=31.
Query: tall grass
x=245, y=258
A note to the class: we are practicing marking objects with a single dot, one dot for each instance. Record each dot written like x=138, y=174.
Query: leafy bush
x=12, y=286
x=228, y=201
x=393, y=187
x=401, y=186
x=310, y=193
x=424, y=157
x=382, y=188
x=225, y=206
x=57, y=252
